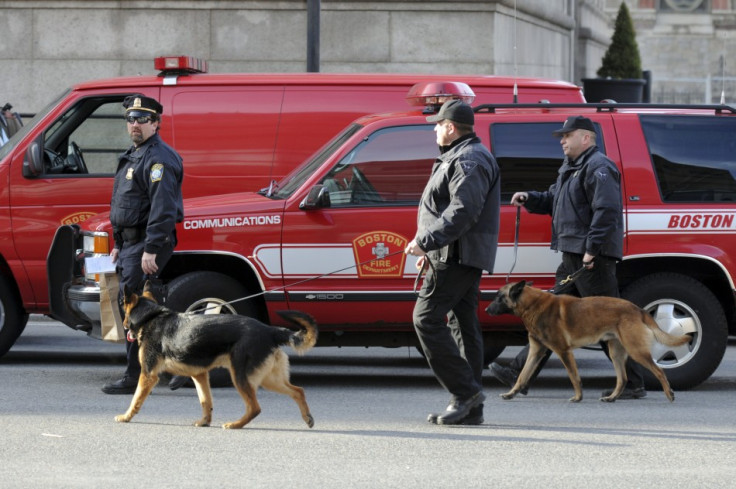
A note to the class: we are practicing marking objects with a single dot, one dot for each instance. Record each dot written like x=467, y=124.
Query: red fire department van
x=328, y=238
x=236, y=132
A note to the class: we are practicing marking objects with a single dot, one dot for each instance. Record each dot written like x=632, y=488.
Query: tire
x=682, y=305
x=210, y=293
x=13, y=317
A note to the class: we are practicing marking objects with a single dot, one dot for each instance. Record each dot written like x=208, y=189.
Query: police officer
x=146, y=205
x=457, y=236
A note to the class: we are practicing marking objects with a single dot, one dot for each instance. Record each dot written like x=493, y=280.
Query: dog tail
x=662, y=336
x=304, y=339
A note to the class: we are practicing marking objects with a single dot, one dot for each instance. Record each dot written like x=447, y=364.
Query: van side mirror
x=317, y=198
x=33, y=161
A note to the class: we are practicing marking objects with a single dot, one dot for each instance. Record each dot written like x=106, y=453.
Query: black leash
x=296, y=283
x=427, y=264
x=571, y=278
x=516, y=242
x=563, y=283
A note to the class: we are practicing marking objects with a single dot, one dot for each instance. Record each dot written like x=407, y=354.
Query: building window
x=684, y=6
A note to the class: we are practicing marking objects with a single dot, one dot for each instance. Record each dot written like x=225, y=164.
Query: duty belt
x=133, y=235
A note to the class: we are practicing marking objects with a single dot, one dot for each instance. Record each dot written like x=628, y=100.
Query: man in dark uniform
x=457, y=234
x=587, y=227
x=146, y=205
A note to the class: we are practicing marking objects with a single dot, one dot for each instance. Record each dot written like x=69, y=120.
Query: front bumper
x=71, y=300
x=84, y=303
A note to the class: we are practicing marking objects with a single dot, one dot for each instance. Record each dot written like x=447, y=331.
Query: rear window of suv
x=528, y=156
x=694, y=158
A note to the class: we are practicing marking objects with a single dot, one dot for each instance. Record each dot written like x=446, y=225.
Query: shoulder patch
x=601, y=175
x=157, y=172
x=468, y=166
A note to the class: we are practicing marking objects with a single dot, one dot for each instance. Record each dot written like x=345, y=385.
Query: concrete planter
x=623, y=90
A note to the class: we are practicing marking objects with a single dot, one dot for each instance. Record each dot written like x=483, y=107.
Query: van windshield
x=291, y=182
x=27, y=126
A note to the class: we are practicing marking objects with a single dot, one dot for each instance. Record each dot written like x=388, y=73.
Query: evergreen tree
x=622, y=57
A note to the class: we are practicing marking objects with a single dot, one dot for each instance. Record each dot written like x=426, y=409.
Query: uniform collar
x=445, y=149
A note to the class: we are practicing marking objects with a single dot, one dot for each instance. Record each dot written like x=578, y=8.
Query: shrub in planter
x=620, y=72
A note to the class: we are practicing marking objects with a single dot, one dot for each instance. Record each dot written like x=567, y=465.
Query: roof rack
x=604, y=107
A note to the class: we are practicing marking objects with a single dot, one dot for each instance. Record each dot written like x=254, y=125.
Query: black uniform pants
x=601, y=281
x=131, y=274
x=446, y=321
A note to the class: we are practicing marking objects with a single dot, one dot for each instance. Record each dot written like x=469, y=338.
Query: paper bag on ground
x=110, y=320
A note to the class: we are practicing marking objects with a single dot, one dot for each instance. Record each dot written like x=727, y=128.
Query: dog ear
x=148, y=291
x=516, y=290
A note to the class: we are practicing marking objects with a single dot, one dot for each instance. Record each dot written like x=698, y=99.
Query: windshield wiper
x=268, y=191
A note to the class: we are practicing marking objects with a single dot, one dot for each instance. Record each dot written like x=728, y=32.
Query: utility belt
x=133, y=235
x=446, y=254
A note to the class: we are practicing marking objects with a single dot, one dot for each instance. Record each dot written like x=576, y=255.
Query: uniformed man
x=457, y=234
x=146, y=205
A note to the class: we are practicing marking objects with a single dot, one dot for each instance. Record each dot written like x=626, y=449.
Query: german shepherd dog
x=562, y=323
x=192, y=345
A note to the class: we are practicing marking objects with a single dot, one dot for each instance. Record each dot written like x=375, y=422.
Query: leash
x=427, y=264
x=516, y=242
x=572, y=277
x=298, y=283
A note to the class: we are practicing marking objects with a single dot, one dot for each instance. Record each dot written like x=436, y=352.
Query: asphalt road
x=370, y=407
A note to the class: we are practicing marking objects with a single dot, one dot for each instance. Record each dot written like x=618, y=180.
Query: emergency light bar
x=437, y=93
x=180, y=64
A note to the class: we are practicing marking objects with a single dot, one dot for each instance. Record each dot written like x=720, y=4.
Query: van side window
x=87, y=139
x=693, y=157
x=389, y=168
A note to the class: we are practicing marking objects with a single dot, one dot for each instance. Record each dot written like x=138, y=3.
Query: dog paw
x=508, y=395
x=575, y=399
x=201, y=423
x=309, y=420
x=233, y=426
x=608, y=399
x=121, y=418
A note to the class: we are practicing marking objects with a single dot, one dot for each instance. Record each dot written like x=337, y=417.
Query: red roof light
x=188, y=64
x=437, y=93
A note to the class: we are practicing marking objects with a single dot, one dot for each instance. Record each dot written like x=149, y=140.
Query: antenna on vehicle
x=516, y=86
x=723, y=79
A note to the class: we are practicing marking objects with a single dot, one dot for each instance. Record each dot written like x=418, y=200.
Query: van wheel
x=682, y=305
x=209, y=293
x=13, y=318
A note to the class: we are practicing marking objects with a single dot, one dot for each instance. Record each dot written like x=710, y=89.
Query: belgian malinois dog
x=562, y=323
x=194, y=344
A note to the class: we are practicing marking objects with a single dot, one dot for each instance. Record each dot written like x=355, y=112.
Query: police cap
x=139, y=105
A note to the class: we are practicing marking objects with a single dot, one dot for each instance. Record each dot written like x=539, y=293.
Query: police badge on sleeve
x=157, y=172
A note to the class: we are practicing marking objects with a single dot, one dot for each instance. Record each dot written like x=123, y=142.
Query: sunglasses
x=144, y=119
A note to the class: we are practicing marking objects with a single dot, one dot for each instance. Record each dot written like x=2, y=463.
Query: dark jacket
x=147, y=194
x=586, y=207
x=459, y=210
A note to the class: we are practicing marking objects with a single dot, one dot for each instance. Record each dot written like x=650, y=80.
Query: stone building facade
x=688, y=45
x=49, y=45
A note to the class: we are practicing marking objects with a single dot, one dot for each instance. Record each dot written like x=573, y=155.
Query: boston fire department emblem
x=376, y=251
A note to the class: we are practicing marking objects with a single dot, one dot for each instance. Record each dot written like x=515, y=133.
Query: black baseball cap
x=139, y=105
x=573, y=123
x=455, y=111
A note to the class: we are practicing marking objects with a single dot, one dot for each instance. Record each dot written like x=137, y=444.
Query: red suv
x=327, y=238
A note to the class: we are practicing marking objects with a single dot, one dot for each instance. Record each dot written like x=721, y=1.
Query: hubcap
x=211, y=305
x=676, y=318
